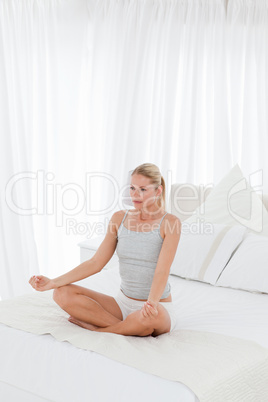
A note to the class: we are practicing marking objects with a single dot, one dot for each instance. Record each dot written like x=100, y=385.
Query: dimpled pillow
x=202, y=255
x=233, y=202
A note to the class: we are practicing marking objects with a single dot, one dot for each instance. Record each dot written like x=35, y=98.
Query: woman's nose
x=137, y=191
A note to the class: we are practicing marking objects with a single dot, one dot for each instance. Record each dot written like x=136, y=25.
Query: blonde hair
x=152, y=172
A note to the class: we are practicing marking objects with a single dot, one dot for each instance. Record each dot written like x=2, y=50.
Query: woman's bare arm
x=87, y=268
x=165, y=259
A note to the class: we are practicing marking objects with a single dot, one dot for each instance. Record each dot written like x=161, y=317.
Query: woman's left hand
x=149, y=309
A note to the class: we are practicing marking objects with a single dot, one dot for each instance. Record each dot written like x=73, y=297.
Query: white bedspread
x=215, y=367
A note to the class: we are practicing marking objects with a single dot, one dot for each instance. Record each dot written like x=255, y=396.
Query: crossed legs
x=132, y=325
x=99, y=312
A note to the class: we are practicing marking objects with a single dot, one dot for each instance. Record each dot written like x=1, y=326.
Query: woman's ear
x=159, y=190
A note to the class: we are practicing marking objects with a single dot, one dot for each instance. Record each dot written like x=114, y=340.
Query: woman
x=146, y=239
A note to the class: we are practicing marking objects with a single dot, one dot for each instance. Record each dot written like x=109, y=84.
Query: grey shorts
x=128, y=306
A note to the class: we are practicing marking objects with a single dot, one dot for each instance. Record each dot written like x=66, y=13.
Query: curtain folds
x=89, y=89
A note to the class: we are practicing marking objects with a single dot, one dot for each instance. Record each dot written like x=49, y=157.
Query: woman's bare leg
x=84, y=308
x=133, y=325
x=92, y=314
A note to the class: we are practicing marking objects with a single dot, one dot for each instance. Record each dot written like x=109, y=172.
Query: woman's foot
x=83, y=324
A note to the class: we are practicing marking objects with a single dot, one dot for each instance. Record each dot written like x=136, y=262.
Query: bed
x=212, y=298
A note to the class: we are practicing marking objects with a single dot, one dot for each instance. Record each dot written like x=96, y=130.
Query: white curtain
x=90, y=89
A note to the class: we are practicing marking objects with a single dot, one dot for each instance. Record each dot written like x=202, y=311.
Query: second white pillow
x=202, y=256
x=248, y=267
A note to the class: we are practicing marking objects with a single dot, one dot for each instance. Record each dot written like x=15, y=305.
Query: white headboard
x=185, y=198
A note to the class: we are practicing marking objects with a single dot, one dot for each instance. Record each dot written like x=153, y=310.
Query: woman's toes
x=74, y=321
x=82, y=323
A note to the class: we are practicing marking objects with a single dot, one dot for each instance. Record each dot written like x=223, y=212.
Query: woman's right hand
x=41, y=283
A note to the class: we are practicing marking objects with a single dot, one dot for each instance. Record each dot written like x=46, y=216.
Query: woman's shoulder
x=172, y=218
x=116, y=220
x=171, y=222
x=118, y=216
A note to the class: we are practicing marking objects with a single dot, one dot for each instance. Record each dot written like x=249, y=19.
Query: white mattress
x=35, y=368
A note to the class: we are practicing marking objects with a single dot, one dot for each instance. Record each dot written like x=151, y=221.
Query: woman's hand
x=150, y=309
x=41, y=283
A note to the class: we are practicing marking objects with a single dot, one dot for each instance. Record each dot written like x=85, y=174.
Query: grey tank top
x=138, y=254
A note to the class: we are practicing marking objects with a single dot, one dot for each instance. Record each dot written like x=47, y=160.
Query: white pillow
x=248, y=267
x=233, y=202
x=202, y=255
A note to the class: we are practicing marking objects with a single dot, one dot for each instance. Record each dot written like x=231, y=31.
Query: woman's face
x=142, y=192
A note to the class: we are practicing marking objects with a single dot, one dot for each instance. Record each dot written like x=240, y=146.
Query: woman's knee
x=62, y=295
x=145, y=322
x=159, y=323
x=139, y=325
